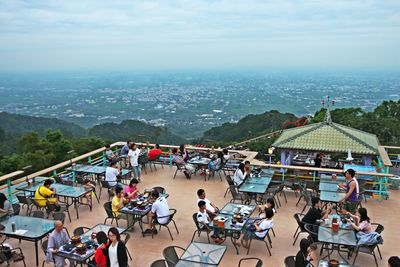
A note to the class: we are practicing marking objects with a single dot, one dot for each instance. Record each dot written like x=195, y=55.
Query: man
x=394, y=261
x=112, y=172
x=155, y=152
x=44, y=194
x=247, y=167
x=109, y=153
x=350, y=200
x=203, y=220
x=211, y=209
x=125, y=149
x=315, y=212
x=159, y=212
x=57, y=238
x=118, y=202
x=177, y=158
x=226, y=154
x=133, y=156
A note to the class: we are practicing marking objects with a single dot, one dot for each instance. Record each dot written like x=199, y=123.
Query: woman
x=183, y=153
x=6, y=209
x=239, y=176
x=99, y=256
x=115, y=251
x=306, y=254
x=216, y=164
x=269, y=204
x=131, y=191
x=361, y=221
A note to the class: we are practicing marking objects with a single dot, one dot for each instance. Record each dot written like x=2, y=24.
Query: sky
x=195, y=34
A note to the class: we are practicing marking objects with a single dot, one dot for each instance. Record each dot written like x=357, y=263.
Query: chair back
x=108, y=208
x=245, y=261
x=79, y=231
x=312, y=230
x=68, y=182
x=58, y=179
x=379, y=227
x=170, y=256
x=127, y=237
x=290, y=261
x=59, y=216
x=38, y=214
x=234, y=192
x=105, y=184
x=24, y=200
x=229, y=180
x=159, y=189
x=171, y=214
x=17, y=208
x=296, y=216
x=44, y=246
x=194, y=216
x=158, y=263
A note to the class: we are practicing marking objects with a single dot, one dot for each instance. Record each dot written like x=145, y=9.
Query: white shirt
x=265, y=225
x=238, y=177
x=202, y=218
x=112, y=253
x=208, y=204
x=227, y=156
x=133, y=156
x=161, y=209
x=111, y=175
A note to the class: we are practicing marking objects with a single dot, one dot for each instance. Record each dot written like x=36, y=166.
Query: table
x=94, y=169
x=182, y=263
x=342, y=237
x=329, y=196
x=73, y=192
x=204, y=253
x=254, y=186
x=323, y=263
x=201, y=161
x=28, y=229
x=332, y=187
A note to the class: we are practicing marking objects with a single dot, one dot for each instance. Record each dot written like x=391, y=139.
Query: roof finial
x=328, y=118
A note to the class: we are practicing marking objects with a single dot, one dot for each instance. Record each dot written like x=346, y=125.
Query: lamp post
x=26, y=177
x=70, y=155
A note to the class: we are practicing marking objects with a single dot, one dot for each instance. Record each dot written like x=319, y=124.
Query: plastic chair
x=199, y=229
x=110, y=214
x=80, y=230
x=170, y=219
x=246, y=261
x=171, y=256
x=290, y=261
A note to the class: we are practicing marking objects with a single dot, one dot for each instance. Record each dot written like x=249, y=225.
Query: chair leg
x=226, y=192
x=248, y=248
x=175, y=226
x=376, y=261
x=129, y=254
x=297, y=236
x=169, y=231
x=380, y=255
x=298, y=201
x=175, y=173
x=193, y=235
x=298, y=227
x=269, y=251
x=355, y=257
x=273, y=232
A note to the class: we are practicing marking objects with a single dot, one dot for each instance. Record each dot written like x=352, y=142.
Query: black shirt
x=301, y=260
x=317, y=162
x=312, y=216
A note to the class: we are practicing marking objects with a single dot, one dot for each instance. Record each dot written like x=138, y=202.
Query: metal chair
x=62, y=207
x=17, y=208
x=236, y=195
x=80, y=230
x=300, y=226
x=44, y=249
x=379, y=229
x=367, y=250
x=110, y=214
x=254, y=237
x=230, y=182
x=159, y=189
x=25, y=201
x=199, y=229
x=312, y=230
x=110, y=189
x=171, y=256
x=68, y=182
x=246, y=261
x=179, y=167
x=170, y=219
x=16, y=255
x=38, y=214
x=158, y=263
x=127, y=237
x=290, y=261
x=59, y=216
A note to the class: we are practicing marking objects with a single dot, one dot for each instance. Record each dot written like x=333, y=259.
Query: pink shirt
x=365, y=227
x=129, y=190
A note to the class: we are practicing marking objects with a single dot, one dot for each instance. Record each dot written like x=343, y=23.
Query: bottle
x=13, y=227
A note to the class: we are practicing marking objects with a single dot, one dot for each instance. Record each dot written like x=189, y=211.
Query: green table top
x=61, y=190
x=342, y=237
x=204, y=253
x=28, y=227
x=331, y=196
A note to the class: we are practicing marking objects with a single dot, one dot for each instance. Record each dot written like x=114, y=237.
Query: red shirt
x=99, y=257
x=154, y=153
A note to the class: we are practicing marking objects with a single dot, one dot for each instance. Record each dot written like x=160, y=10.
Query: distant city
x=188, y=103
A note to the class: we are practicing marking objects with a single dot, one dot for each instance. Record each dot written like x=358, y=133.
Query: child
x=87, y=184
x=131, y=191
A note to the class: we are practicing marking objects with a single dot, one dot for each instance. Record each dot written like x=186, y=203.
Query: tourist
x=57, y=239
x=133, y=157
x=6, y=209
x=118, y=203
x=44, y=194
x=306, y=254
x=318, y=160
x=361, y=221
x=131, y=191
x=216, y=164
x=155, y=152
x=112, y=172
x=180, y=162
x=115, y=250
x=99, y=256
x=247, y=167
x=227, y=156
x=125, y=149
x=203, y=219
x=239, y=175
x=270, y=204
x=350, y=200
x=183, y=153
x=88, y=185
x=315, y=213
x=261, y=228
x=212, y=210
x=109, y=153
x=159, y=212
x=394, y=261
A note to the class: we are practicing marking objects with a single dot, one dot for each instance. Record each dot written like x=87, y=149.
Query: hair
x=220, y=155
x=114, y=231
x=394, y=261
x=272, y=202
x=200, y=192
x=101, y=237
x=133, y=181
x=363, y=214
x=241, y=166
x=108, y=146
x=48, y=182
x=182, y=148
x=118, y=190
x=155, y=193
x=201, y=203
x=351, y=172
x=3, y=199
x=157, y=146
x=86, y=181
x=225, y=151
x=174, y=150
x=128, y=141
x=315, y=200
x=269, y=213
x=304, y=244
x=132, y=145
x=247, y=162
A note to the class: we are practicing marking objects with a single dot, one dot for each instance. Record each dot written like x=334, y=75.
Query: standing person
x=239, y=175
x=133, y=157
x=318, y=160
x=57, y=239
x=6, y=209
x=131, y=191
x=211, y=209
x=350, y=200
x=155, y=152
x=115, y=251
x=112, y=172
x=99, y=256
x=159, y=212
x=183, y=153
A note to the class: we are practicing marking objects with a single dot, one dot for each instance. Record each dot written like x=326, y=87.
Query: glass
x=204, y=253
x=342, y=237
x=32, y=227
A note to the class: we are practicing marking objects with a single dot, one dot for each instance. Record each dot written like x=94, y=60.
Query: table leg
x=234, y=244
x=75, y=200
x=37, y=253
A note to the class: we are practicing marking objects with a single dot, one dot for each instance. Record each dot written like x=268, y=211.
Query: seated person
x=87, y=184
x=315, y=212
x=239, y=175
x=159, y=212
x=118, y=202
x=247, y=167
x=394, y=261
x=155, y=152
x=216, y=164
x=131, y=191
x=361, y=221
x=112, y=172
x=270, y=204
x=6, y=209
x=261, y=229
x=57, y=238
x=109, y=153
x=178, y=159
x=44, y=194
x=306, y=254
x=99, y=256
x=211, y=209
x=203, y=220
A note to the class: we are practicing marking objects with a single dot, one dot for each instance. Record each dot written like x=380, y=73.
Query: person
x=112, y=172
x=44, y=194
x=99, y=256
x=318, y=160
x=179, y=161
x=109, y=153
x=131, y=191
x=226, y=154
x=57, y=239
x=261, y=229
x=118, y=202
x=155, y=152
x=306, y=254
x=125, y=149
x=247, y=167
x=361, y=221
x=133, y=157
x=315, y=213
x=212, y=153
x=6, y=209
x=350, y=200
x=88, y=185
x=239, y=176
x=270, y=204
x=204, y=219
x=211, y=209
x=159, y=212
x=115, y=250
x=183, y=152
x=394, y=261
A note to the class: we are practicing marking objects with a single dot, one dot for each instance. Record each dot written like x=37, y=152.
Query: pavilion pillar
x=290, y=158
x=367, y=160
x=283, y=157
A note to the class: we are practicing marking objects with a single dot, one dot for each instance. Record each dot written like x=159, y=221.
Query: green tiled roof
x=328, y=137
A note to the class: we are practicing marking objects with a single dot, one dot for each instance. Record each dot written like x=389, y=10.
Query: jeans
x=136, y=171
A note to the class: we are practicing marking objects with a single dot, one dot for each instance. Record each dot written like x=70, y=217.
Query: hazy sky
x=110, y=35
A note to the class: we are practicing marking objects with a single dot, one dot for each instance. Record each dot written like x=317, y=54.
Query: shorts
x=351, y=206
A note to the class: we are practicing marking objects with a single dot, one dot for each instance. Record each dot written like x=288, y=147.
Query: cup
x=335, y=227
x=13, y=227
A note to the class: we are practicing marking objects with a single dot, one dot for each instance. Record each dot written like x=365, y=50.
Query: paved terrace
x=183, y=197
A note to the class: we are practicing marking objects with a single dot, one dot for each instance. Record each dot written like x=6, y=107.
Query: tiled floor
x=183, y=197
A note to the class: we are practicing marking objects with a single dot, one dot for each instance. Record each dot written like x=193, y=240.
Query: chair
x=60, y=207
x=159, y=189
x=300, y=226
x=171, y=256
x=158, y=263
x=23, y=200
x=110, y=189
x=127, y=237
x=259, y=262
x=367, y=250
x=170, y=219
x=230, y=182
x=110, y=214
x=254, y=237
x=38, y=214
x=236, y=195
x=379, y=229
x=290, y=261
x=179, y=167
x=68, y=182
x=80, y=230
x=212, y=172
x=312, y=230
x=59, y=216
x=16, y=208
x=44, y=249
x=16, y=255
x=199, y=229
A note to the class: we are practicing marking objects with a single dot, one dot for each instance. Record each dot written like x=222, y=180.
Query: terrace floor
x=183, y=197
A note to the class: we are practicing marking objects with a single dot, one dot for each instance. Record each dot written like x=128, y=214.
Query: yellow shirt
x=115, y=205
x=42, y=195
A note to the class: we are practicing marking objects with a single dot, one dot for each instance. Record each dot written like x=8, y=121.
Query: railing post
x=90, y=160
x=170, y=158
x=9, y=190
x=54, y=173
